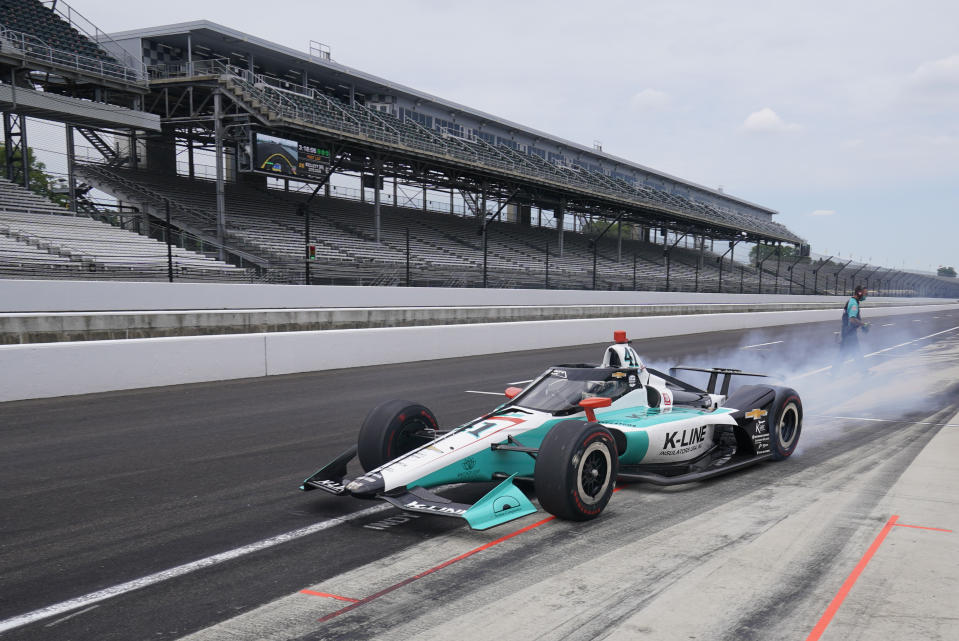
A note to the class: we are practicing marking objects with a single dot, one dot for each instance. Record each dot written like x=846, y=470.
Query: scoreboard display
x=282, y=157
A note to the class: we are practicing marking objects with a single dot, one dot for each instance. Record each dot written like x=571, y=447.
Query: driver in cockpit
x=621, y=354
x=607, y=389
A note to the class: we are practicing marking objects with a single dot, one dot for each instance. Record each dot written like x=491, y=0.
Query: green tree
x=41, y=183
x=595, y=227
x=787, y=252
x=948, y=272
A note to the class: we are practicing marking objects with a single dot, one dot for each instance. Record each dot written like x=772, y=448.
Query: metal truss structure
x=380, y=144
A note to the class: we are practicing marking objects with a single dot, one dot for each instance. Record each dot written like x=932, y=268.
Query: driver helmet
x=609, y=389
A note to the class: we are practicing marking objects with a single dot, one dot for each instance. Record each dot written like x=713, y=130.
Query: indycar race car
x=573, y=432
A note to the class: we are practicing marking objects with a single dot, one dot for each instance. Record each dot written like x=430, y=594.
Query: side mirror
x=513, y=392
x=592, y=404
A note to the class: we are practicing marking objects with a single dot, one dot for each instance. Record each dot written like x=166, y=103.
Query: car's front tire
x=576, y=470
x=392, y=429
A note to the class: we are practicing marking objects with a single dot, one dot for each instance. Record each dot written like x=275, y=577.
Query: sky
x=843, y=116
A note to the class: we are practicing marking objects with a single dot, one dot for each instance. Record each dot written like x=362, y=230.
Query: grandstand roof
x=204, y=32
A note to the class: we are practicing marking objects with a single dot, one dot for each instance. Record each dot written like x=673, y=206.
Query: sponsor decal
x=558, y=373
x=504, y=503
x=761, y=443
x=667, y=398
x=684, y=442
x=469, y=463
x=684, y=438
x=618, y=374
x=330, y=485
x=428, y=507
x=499, y=422
x=632, y=381
x=760, y=427
x=754, y=414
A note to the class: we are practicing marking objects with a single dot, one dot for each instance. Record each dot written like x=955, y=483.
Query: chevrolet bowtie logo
x=756, y=413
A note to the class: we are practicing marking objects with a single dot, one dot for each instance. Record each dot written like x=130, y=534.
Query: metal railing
x=33, y=49
x=79, y=22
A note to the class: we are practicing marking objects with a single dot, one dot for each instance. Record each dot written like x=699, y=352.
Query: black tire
x=392, y=429
x=786, y=424
x=576, y=470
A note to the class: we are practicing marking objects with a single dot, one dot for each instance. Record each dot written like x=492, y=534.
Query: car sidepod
x=658, y=436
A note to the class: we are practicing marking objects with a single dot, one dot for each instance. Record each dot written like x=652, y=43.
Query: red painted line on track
x=850, y=581
x=921, y=527
x=331, y=596
x=436, y=568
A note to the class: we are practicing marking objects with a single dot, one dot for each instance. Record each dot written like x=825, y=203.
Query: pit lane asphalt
x=100, y=489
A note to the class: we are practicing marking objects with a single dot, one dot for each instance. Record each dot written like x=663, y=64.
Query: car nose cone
x=367, y=484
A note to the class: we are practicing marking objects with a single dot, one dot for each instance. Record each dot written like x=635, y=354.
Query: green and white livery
x=573, y=433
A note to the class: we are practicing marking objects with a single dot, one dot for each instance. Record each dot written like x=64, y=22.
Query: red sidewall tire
x=576, y=470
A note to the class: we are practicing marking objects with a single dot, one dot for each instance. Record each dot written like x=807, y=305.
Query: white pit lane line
x=473, y=391
x=945, y=331
x=152, y=579
x=921, y=338
x=884, y=420
x=760, y=345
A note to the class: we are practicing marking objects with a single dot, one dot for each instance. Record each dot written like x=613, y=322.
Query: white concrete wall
x=59, y=369
x=78, y=296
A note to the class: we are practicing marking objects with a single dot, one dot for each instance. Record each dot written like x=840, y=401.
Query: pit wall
x=60, y=369
x=24, y=296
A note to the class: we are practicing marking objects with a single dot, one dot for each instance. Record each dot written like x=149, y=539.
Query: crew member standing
x=852, y=324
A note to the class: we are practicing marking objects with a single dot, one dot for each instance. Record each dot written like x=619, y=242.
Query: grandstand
x=280, y=125
x=46, y=241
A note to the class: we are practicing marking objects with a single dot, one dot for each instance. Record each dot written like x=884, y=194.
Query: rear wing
x=714, y=373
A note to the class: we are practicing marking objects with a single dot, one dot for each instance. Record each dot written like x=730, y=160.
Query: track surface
x=99, y=490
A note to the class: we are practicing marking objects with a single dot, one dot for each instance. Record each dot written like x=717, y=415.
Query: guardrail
x=31, y=48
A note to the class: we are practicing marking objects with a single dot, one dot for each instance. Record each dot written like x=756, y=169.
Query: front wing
x=502, y=504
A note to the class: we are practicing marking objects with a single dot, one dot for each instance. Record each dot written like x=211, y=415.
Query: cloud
x=823, y=212
x=942, y=74
x=649, y=100
x=767, y=121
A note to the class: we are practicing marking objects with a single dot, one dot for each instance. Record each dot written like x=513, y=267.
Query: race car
x=573, y=432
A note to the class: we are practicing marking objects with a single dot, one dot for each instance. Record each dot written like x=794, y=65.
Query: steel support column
x=220, y=186
x=559, y=214
x=189, y=153
x=377, y=173
x=619, y=243
x=15, y=141
x=71, y=176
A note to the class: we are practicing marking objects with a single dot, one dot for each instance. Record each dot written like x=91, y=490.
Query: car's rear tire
x=576, y=470
x=786, y=424
x=392, y=429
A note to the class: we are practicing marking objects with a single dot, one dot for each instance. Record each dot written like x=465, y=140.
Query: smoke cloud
x=916, y=378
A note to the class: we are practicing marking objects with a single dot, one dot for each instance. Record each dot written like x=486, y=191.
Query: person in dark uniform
x=852, y=324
